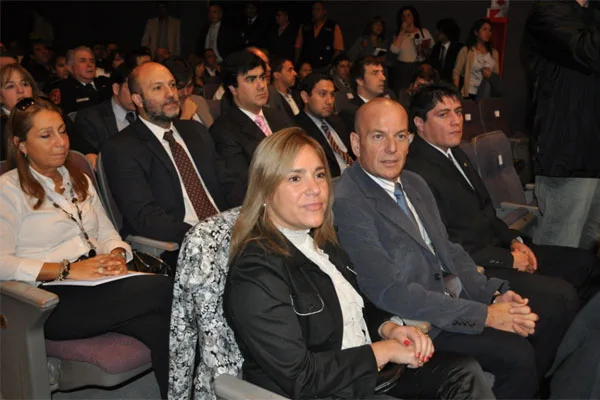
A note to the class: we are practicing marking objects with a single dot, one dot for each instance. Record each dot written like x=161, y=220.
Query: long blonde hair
x=270, y=163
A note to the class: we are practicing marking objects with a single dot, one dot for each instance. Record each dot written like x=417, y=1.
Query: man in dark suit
x=444, y=53
x=238, y=132
x=466, y=207
x=162, y=170
x=82, y=88
x=281, y=97
x=319, y=121
x=216, y=35
x=389, y=224
x=254, y=31
x=100, y=122
x=282, y=37
x=369, y=76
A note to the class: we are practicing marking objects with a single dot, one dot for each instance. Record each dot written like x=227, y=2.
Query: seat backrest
x=469, y=150
x=3, y=166
x=85, y=166
x=210, y=89
x=495, y=166
x=473, y=124
x=197, y=313
x=214, y=106
x=109, y=202
x=495, y=115
x=341, y=99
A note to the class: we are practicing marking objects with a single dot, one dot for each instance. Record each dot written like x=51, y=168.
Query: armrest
x=509, y=206
x=228, y=387
x=23, y=368
x=151, y=245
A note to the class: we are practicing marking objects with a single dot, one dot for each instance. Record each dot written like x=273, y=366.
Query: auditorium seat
x=473, y=124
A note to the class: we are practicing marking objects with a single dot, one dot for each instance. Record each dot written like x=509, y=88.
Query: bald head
x=263, y=56
x=380, y=141
x=154, y=92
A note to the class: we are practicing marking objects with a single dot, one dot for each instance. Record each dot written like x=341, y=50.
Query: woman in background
x=372, y=39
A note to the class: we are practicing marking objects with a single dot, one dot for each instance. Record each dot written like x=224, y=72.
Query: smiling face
x=14, y=89
x=381, y=143
x=300, y=200
x=47, y=143
x=251, y=93
x=444, y=124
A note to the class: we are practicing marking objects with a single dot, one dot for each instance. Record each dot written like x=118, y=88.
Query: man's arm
x=563, y=37
x=124, y=165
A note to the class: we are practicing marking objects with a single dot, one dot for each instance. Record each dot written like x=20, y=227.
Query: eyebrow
x=301, y=170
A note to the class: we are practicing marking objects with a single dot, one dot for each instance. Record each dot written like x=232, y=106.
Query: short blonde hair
x=270, y=163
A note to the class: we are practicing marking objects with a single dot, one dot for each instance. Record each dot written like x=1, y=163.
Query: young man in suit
x=446, y=49
x=238, y=132
x=389, y=224
x=162, y=170
x=370, y=83
x=216, y=35
x=467, y=210
x=281, y=97
x=100, y=122
x=319, y=121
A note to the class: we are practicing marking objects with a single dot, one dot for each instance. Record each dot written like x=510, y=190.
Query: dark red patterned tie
x=347, y=159
x=191, y=181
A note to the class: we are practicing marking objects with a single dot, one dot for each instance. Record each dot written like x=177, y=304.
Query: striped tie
x=347, y=159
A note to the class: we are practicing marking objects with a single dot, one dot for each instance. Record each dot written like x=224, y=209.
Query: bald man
x=162, y=170
x=389, y=224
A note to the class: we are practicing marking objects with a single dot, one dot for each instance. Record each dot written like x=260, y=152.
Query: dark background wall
x=77, y=22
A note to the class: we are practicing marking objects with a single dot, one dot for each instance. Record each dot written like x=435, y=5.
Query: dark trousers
x=556, y=303
x=446, y=376
x=508, y=356
x=138, y=306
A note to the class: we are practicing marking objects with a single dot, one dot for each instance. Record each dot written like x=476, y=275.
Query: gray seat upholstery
x=147, y=245
x=27, y=371
x=197, y=320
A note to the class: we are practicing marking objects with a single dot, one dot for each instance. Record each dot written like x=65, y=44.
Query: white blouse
x=355, y=332
x=30, y=238
x=414, y=47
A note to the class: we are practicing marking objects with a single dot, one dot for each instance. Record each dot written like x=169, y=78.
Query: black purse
x=388, y=377
x=144, y=262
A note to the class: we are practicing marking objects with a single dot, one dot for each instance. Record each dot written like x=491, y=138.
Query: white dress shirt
x=190, y=214
x=120, y=115
x=340, y=160
x=211, y=39
x=355, y=331
x=32, y=237
x=290, y=100
x=253, y=116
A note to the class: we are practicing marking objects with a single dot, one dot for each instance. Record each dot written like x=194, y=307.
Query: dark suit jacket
x=283, y=45
x=97, y=123
x=228, y=40
x=304, y=121
x=279, y=104
x=75, y=97
x=145, y=183
x=396, y=270
x=468, y=214
x=236, y=137
x=349, y=111
x=449, y=61
x=276, y=335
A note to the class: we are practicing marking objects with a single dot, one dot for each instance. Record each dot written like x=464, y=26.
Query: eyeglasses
x=25, y=103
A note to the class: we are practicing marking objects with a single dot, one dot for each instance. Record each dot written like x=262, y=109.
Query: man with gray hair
x=82, y=88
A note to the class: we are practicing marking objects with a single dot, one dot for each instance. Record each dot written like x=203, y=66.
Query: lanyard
x=78, y=221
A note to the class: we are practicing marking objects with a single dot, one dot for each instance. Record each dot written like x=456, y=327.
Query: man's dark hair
x=321, y=2
x=427, y=97
x=358, y=68
x=284, y=10
x=120, y=74
x=131, y=57
x=339, y=58
x=180, y=68
x=239, y=63
x=277, y=62
x=308, y=84
x=425, y=72
x=449, y=28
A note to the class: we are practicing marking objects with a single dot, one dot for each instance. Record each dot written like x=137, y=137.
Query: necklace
x=78, y=221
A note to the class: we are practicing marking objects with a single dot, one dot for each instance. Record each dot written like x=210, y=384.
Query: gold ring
x=100, y=270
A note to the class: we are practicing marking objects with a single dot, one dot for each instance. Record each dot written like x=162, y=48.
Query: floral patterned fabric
x=197, y=320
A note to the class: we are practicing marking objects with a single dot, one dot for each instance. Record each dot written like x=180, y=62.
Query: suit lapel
x=471, y=173
x=247, y=126
x=315, y=132
x=155, y=147
x=385, y=205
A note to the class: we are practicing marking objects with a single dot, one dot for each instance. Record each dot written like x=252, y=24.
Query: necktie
x=260, y=121
x=442, y=55
x=130, y=117
x=89, y=87
x=191, y=180
x=401, y=200
x=292, y=103
x=347, y=159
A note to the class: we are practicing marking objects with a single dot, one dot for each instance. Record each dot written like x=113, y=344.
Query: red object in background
x=499, y=30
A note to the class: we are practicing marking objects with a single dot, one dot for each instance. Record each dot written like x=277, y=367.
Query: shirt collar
x=158, y=131
x=387, y=185
x=251, y=115
x=92, y=83
x=317, y=120
x=363, y=99
x=48, y=182
x=446, y=45
x=120, y=112
x=6, y=110
x=446, y=153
